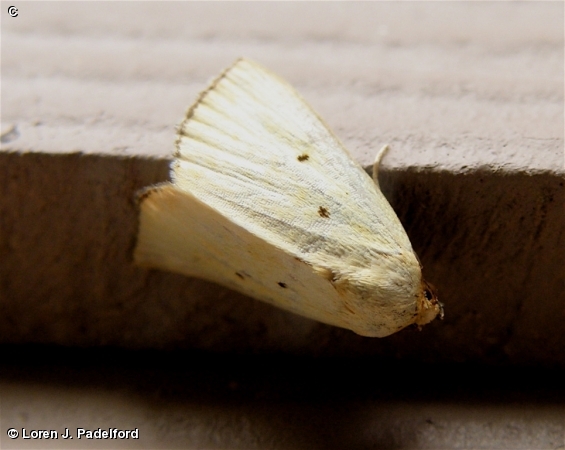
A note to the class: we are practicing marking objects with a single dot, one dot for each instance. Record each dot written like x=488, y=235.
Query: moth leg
x=377, y=162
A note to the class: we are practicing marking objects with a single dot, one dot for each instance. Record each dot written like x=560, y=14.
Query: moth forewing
x=266, y=200
x=203, y=243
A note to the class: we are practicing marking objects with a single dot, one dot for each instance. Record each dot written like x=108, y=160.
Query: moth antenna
x=376, y=164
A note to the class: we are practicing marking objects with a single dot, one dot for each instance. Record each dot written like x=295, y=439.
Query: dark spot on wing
x=281, y=284
x=303, y=157
x=240, y=275
x=323, y=212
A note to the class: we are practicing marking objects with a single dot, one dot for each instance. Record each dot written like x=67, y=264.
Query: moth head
x=429, y=307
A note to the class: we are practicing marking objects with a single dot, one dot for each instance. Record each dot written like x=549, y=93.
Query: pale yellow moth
x=266, y=200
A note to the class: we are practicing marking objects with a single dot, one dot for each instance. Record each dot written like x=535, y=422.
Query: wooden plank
x=472, y=105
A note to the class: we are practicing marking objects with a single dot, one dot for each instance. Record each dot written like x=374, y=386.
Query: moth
x=265, y=200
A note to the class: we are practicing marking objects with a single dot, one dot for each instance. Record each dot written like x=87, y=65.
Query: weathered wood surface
x=469, y=95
